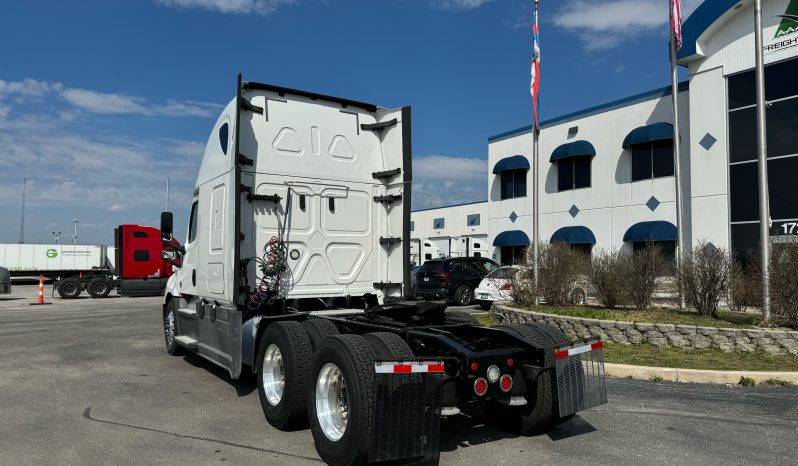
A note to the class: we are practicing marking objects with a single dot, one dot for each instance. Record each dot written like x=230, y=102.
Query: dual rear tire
x=309, y=374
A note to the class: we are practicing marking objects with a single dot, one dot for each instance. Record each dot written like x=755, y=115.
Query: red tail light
x=506, y=287
x=441, y=275
x=480, y=386
x=506, y=383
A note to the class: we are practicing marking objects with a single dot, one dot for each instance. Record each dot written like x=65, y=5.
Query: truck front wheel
x=69, y=288
x=170, y=329
x=341, y=408
x=283, y=364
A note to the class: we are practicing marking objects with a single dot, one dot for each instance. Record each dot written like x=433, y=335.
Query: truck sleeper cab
x=294, y=268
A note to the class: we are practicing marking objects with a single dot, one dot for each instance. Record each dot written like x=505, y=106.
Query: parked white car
x=496, y=286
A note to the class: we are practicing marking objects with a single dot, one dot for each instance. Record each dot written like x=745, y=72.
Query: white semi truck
x=295, y=267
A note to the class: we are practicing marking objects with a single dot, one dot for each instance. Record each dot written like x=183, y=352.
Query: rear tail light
x=441, y=275
x=506, y=383
x=480, y=386
x=506, y=287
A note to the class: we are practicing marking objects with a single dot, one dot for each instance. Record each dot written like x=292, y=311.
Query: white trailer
x=52, y=259
x=297, y=249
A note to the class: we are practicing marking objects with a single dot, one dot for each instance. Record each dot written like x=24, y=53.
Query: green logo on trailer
x=789, y=20
x=52, y=253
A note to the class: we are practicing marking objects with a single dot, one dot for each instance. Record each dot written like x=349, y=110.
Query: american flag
x=676, y=22
x=534, y=86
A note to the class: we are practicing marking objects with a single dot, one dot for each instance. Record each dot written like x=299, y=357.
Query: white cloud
x=105, y=103
x=108, y=173
x=260, y=7
x=461, y=4
x=440, y=180
x=603, y=24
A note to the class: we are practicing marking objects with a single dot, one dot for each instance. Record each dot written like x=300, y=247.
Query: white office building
x=453, y=231
x=606, y=173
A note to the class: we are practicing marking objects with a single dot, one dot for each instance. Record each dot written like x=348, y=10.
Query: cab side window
x=192, y=222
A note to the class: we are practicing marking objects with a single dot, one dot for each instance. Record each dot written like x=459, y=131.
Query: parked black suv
x=452, y=279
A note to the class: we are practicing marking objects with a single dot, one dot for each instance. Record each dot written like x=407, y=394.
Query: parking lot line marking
x=87, y=415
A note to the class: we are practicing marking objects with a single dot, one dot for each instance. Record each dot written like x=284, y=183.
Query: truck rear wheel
x=318, y=330
x=283, y=363
x=341, y=410
x=69, y=288
x=533, y=416
x=99, y=288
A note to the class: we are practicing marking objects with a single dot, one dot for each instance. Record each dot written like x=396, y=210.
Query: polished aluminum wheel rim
x=332, y=404
x=169, y=327
x=273, y=374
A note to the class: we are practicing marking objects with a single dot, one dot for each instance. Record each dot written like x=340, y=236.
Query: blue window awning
x=511, y=238
x=516, y=162
x=648, y=133
x=574, y=235
x=658, y=230
x=573, y=149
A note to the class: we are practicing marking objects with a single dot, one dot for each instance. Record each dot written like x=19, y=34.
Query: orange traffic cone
x=41, y=292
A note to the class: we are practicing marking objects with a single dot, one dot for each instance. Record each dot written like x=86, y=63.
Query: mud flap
x=580, y=377
x=407, y=412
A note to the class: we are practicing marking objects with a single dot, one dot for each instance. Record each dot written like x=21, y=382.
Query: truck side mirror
x=166, y=225
x=171, y=256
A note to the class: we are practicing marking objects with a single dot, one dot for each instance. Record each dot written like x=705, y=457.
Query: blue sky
x=101, y=100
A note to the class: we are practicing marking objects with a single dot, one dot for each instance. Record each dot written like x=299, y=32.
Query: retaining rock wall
x=688, y=336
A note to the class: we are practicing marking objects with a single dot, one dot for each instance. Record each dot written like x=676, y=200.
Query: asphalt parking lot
x=88, y=382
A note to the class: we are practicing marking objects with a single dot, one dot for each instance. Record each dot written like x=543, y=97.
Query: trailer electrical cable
x=272, y=265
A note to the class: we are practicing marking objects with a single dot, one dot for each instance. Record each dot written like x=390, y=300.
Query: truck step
x=186, y=341
x=389, y=199
x=187, y=311
x=386, y=174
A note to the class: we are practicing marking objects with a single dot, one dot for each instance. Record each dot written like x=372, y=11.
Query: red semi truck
x=134, y=266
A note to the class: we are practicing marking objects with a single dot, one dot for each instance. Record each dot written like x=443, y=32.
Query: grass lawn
x=669, y=356
x=654, y=315
x=683, y=358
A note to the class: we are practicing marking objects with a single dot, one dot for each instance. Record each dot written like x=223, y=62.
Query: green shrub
x=747, y=382
x=777, y=382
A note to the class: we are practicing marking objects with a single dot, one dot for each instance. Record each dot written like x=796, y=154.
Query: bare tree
x=608, y=275
x=645, y=265
x=704, y=277
x=784, y=282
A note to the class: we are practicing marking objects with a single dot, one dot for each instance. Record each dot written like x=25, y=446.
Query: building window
x=512, y=255
x=476, y=245
x=472, y=220
x=412, y=226
x=781, y=90
x=652, y=160
x=573, y=173
x=437, y=223
x=513, y=184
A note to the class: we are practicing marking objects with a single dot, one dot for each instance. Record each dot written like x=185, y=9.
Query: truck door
x=187, y=315
x=219, y=323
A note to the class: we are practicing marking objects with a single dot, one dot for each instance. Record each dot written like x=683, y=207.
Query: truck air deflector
x=282, y=91
x=581, y=382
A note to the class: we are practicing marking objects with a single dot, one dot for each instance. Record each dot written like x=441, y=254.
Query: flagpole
x=761, y=136
x=535, y=151
x=676, y=147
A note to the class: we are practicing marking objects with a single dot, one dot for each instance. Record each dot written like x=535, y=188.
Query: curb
x=693, y=375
